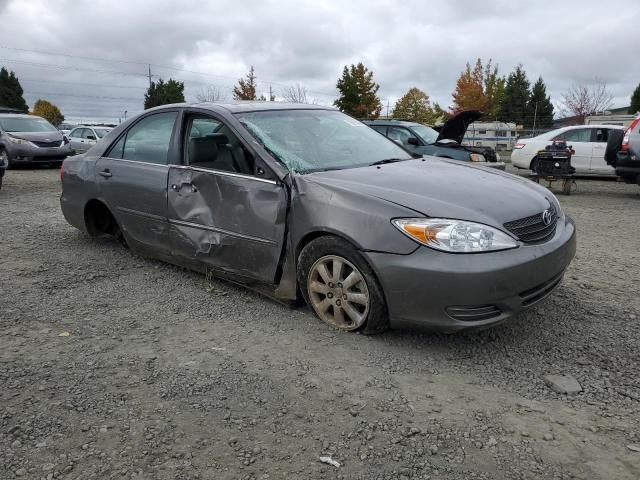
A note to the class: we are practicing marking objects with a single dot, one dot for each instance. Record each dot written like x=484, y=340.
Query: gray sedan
x=83, y=138
x=290, y=199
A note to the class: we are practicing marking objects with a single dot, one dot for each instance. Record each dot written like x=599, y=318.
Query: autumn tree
x=358, y=92
x=163, y=93
x=48, y=111
x=540, y=108
x=11, y=91
x=635, y=101
x=469, y=93
x=584, y=100
x=515, y=99
x=415, y=106
x=246, y=88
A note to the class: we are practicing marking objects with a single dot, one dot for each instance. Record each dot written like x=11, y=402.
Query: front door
x=226, y=211
x=580, y=140
x=132, y=178
x=401, y=136
x=599, y=139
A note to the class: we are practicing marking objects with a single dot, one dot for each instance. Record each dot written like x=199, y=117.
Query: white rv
x=498, y=135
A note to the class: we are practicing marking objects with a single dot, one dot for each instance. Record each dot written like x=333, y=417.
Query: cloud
x=410, y=43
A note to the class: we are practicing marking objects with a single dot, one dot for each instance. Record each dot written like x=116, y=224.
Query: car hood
x=444, y=189
x=38, y=136
x=456, y=126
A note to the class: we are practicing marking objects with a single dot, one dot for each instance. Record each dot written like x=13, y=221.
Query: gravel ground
x=114, y=366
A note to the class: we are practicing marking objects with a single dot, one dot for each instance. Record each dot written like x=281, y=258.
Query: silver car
x=83, y=138
x=298, y=199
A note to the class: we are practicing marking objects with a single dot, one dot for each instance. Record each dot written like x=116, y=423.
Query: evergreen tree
x=246, y=89
x=469, y=93
x=11, y=91
x=515, y=100
x=540, y=108
x=493, y=89
x=635, y=101
x=161, y=93
x=48, y=111
x=415, y=106
x=358, y=92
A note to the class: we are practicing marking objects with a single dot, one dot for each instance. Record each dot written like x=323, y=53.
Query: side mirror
x=90, y=137
x=413, y=141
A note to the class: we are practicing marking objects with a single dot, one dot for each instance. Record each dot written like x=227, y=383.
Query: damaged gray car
x=299, y=200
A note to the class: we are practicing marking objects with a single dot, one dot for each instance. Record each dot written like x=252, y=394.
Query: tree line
x=507, y=98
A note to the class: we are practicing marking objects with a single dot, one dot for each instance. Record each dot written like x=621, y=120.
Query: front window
x=26, y=124
x=313, y=140
x=427, y=134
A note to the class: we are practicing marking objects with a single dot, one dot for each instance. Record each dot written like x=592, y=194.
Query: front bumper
x=24, y=154
x=458, y=291
x=496, y=165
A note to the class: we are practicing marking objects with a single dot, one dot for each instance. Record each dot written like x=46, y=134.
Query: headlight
x=18, y=141
x=456, y=236
x=476, y=157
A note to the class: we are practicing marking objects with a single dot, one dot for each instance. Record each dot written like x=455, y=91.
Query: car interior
x=211, y=144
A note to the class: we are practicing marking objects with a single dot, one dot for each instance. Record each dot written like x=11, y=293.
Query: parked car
x=3, y=168
x=587, y=141
x=623, y=152
x=84, y=137
x=447, y=142
x=65, y=128
x=292, y=198
x=27, y=139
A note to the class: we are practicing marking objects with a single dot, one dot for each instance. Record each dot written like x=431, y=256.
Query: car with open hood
x=293, y=200
x=444, y=141
x=29, y=139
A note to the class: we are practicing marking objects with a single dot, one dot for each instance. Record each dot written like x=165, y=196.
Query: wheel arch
x=99, y=219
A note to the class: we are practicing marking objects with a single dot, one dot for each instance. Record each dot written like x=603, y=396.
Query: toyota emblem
x=547, y=217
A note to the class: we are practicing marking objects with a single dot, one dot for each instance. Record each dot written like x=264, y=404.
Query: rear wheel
x=566, y=186
x=4, y=157
x=340, y=287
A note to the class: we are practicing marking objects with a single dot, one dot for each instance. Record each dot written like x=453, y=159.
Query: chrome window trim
x=137, y=162
x=224, y=173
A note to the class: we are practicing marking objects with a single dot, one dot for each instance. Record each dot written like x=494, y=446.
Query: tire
x=1, y=178
x=566, y=187
x=5, y=158
x=534, y=164
x=613, y=147
x=359, y=306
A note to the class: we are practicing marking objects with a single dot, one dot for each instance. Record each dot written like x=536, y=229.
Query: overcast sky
x=406, y=43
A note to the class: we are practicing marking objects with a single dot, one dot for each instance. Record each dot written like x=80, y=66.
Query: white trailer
x=498, y=135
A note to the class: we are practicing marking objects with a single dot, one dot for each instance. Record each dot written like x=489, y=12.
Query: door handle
x=177, y=188
x=105, y=173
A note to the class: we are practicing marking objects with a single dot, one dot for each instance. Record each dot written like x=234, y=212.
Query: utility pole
x=149, y=75
x=125, y=115
x=270, y=94
x=535, y=117
x=387, y=109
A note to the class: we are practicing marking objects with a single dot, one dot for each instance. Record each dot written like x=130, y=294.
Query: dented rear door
x=226, y=221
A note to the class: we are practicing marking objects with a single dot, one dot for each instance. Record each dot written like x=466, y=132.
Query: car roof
x=255, y=106
x=392, y=121
x=591, y=125
x=18, y=115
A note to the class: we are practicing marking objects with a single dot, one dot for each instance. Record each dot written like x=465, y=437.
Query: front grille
x=47, y=144
x=537, y=293
x=473, y=314
x=533, y=229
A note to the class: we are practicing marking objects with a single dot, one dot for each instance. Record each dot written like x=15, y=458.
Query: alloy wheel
x=338, y=292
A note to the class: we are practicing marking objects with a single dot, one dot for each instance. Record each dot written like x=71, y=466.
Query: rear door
x=76, y=140
x=599, y=139
x=227, y=211
x=580, y=140
x=132, y=178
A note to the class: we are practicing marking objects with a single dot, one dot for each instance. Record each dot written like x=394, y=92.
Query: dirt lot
x=113, y=366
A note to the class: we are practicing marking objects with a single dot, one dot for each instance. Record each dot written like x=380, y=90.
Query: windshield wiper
x=388, y=160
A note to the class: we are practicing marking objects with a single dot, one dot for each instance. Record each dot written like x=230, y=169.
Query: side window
x=147, y=141
x=380, y=128
x=577, y=135
x=600, y=135
x=211, y=144
x=88, y=134
x=400, y=135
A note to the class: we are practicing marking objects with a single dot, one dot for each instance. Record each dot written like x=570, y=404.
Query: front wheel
x=340, y=287
x=4, y=158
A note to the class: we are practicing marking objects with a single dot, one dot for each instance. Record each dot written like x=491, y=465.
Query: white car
x=587, y=141
x=83, y=138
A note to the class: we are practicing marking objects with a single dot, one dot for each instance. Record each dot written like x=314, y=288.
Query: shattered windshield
x=313, y=140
